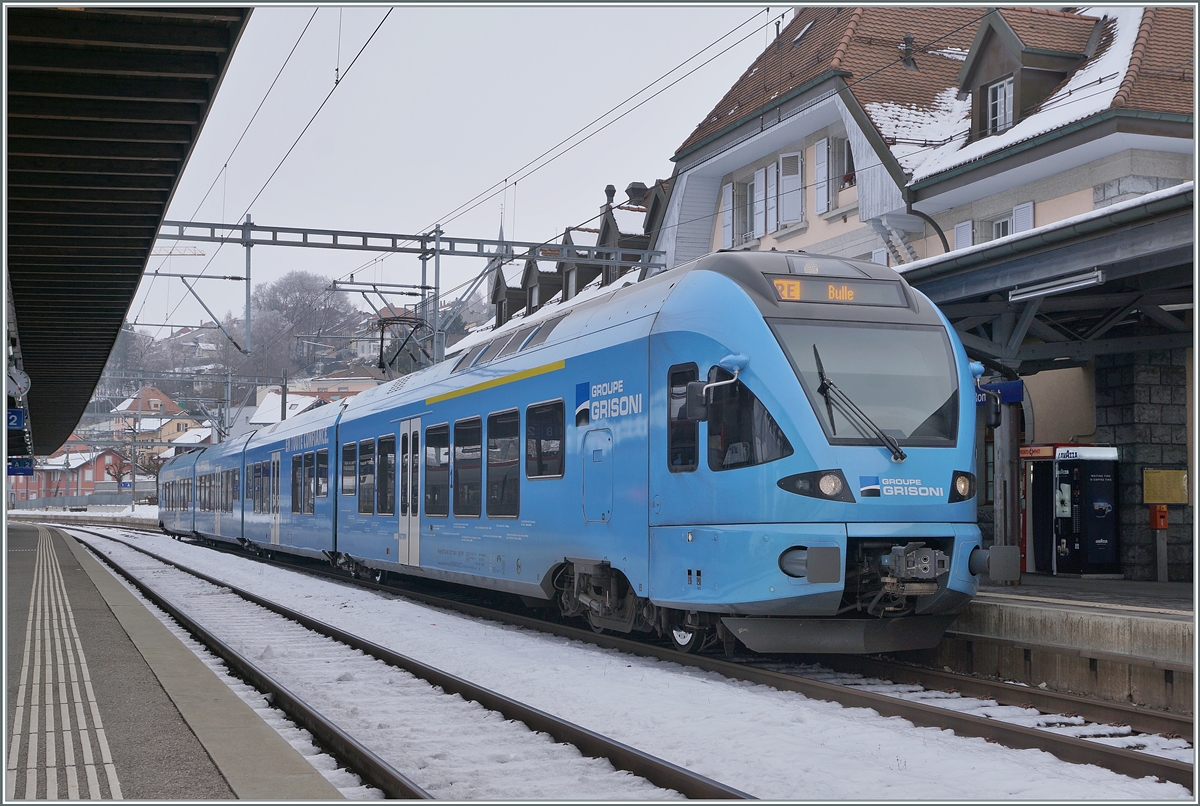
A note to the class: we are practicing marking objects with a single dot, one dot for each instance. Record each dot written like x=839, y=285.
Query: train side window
x=237, y=489
x=366, y=477
x=309, y=481
x=415, y=457
x=682, y=433
x=257, y=490
x=494, y=347
x=741, y=432
x=437, y=470
x=404, y=474
x=515, y=343
x=323, y=473
x=504, y=464
x=297, y=473
x=385, y=476
x=349, y=467
x=544, y=427
x=468, y=449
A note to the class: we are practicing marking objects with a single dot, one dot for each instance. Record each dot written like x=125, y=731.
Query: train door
x=274, y=494
x=410, y=515
x=597, y=476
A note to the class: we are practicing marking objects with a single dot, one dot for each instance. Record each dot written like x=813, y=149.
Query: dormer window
x=1000, y=106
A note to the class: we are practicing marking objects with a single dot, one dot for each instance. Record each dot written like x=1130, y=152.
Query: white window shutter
x=727, y=216
x=963, y=235
x=821, y=175
x=791, y=188
x=772, y=198
x=879, y=256
x=1022, y=217
x=760, y=202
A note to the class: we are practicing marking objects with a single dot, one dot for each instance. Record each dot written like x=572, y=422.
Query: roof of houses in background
x=145, y=395
x=1144, y=61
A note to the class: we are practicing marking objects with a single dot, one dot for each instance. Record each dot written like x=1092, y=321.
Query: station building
x=1031, y=171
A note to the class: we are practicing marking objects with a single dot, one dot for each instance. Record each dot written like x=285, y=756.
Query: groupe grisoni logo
x=876, y=487
x=604, y=401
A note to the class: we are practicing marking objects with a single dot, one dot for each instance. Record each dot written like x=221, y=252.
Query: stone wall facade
x=1141, y=408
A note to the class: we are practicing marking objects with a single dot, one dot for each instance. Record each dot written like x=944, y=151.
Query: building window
x=1000, y=106
x=1001, y=227
x=849, y=178
x=743, y=202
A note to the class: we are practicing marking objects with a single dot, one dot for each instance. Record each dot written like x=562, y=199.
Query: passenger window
x=349, y=467
x=323, y=473
x=741, y=432
x=309, y=482
x=404, y=474
x=237, y=490
x=504, y=464
x=366, y=477
x=437, y=470
x=297, y=476
x=682, y=434
x=467, y=467
x=415, y=456
x=258, y=486
x=385, y=477
x=544, y=426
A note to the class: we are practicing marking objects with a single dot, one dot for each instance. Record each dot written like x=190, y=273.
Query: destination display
x=839, y=291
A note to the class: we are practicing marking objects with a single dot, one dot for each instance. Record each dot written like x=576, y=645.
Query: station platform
x=1115, y=639
x=104, y=702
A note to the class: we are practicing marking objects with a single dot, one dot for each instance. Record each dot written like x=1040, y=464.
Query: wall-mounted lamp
x=1059, y=286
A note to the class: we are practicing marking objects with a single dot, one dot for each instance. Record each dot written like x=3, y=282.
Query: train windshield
x=902, y=377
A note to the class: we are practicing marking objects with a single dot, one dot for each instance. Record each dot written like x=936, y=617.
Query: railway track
x=1068, y=748
x=342, y=743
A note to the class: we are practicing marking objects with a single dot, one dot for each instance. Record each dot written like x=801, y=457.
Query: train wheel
x=596, y=628
x=686, y=639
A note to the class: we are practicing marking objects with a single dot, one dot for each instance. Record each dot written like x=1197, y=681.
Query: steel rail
x=373, y=769
x=1077, y=751
x=623, y=757
x=1142, y=720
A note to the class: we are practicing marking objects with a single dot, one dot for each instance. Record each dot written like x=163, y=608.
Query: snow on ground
x=771, y=744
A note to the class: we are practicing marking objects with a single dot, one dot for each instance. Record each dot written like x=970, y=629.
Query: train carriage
x=774, y=448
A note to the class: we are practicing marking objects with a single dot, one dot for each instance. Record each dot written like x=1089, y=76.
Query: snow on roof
x=630, y=220
x=268, y=411
x=69, y=461
x=148, y=424
x=1088, y=91
x=194, y=436
x=918, y=128
x=584, y=237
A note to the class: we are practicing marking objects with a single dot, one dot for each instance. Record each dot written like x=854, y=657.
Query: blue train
x=766, y=448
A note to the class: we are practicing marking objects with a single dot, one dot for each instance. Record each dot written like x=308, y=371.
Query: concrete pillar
x=1007, y=479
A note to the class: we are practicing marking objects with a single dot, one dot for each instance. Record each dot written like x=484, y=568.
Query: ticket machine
x=1070, y=510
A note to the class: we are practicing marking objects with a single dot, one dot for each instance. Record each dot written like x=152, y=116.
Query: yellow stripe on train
x=479, y=387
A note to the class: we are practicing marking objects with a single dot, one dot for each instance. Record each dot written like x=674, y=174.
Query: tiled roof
x=1162, y=71
x=146, y=393
x=1046, y=29
x=917, y=112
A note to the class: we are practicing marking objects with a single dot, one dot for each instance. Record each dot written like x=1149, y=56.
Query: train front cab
x=778, y=513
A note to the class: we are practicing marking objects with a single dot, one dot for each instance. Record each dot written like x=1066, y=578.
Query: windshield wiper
x=828, y=390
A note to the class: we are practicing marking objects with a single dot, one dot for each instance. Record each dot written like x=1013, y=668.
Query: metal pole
x=439, y=342
x=228, y=401
x=283, y=398
x=133, y=447
x=248, y=245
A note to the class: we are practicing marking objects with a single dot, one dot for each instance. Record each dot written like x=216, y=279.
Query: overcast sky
x=442, y=103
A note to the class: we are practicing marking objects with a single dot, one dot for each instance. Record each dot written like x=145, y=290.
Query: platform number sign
x=20, y=466
x=16, y=419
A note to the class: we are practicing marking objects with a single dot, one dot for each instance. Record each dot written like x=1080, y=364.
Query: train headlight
x=827, y=484
x=963, y=486
x=830, y=485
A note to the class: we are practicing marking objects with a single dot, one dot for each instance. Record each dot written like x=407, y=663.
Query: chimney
x=610, y=191
x=636, y=192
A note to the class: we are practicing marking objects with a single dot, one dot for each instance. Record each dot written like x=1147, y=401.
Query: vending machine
x=1069, y=510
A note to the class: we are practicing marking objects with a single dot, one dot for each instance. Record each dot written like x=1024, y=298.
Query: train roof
x=626, y=300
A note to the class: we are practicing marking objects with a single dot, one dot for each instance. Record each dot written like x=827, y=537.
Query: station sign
x=16, y=419
x=125, y=485
x=20, y=466
x=1010, y=392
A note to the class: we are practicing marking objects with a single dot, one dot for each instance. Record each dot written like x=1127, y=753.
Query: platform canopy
x=104, y=108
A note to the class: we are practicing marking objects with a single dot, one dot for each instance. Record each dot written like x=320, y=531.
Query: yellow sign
x=1164, y=486
x=788, y=290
